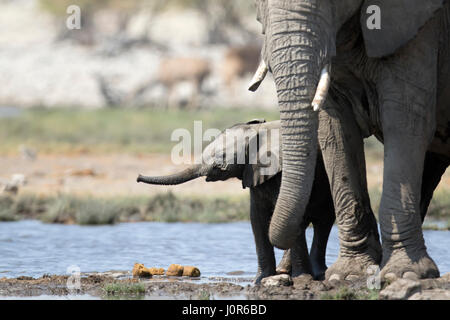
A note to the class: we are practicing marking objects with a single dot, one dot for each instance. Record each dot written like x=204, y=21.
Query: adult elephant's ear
x=399, y=22
x=263, y=158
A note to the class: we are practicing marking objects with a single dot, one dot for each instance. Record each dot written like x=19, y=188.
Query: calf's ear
x=266, y=164
x=399, y=21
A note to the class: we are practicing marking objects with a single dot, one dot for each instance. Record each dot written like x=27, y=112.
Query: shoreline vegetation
x=162, y=207
x=88, y=210
x=139, y=132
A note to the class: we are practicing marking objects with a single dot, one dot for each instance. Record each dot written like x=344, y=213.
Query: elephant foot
x=351, y=268
x=285, y=267
x=260, y=276
x=282, y=270
x=319, y=273
x=410, y=264
x=301, y=268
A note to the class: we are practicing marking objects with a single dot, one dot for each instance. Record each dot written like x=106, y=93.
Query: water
x=32, y=248
x=9, y=112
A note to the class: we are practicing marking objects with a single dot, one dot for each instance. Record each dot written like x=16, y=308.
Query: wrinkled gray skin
x=393, y=83
x=263, y=196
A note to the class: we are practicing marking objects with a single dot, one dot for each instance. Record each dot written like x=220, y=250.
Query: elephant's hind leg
x=261, y=209
x=319, y=247
x=321, y=211
x=407, y=95
x=300, y=263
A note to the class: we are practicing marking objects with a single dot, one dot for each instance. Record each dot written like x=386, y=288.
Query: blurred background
x=83, y=112
x=134, y=53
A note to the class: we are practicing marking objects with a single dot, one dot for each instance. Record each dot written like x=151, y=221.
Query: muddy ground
x=120, y=285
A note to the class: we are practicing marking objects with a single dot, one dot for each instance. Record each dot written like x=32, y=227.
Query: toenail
x=390, y=276
x=410, y=275
x=334, y=277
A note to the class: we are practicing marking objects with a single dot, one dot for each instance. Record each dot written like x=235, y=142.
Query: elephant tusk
x=322, y=88
x=259, y=76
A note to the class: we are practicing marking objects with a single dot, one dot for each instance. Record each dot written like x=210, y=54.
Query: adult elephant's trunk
x=188, y=174
x=298, y=52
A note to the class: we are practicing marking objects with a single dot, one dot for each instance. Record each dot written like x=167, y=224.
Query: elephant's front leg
x=342, y=148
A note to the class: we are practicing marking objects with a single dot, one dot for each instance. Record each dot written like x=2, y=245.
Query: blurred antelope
x=172, y=71
x=240, y=61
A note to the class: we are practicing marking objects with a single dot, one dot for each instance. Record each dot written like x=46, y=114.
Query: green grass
x=204, y=295
x=68, y=209
x=440, y=205
x=7, y=210
x=345, y=293
x=112, y=130
x=439, y=208
x=124, y=289
x=433, y=226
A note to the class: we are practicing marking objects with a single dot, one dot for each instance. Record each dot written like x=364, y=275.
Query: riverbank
x=102, y=189
x=79, y=166
x=89, y=210
x=120, y=285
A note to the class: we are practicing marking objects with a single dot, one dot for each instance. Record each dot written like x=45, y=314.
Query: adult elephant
x=390, y=82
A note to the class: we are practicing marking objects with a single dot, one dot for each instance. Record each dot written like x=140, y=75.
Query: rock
x=140, y=271
x=27, y=153
x=302, y=282
x=318, y=286
x=278, y=280
x=190, y=271
x=428, y=284
x=352, y=278
x=157, y=271
x=446, y=277
x=400, y=289
x=175, y=270
x=436, y=294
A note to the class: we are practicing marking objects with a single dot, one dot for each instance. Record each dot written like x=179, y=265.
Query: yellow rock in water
x=175, y=270
x=157, y=271
x=140, y=271
x=190, y=271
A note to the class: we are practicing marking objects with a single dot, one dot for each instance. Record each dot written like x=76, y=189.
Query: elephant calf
x=264, y=188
